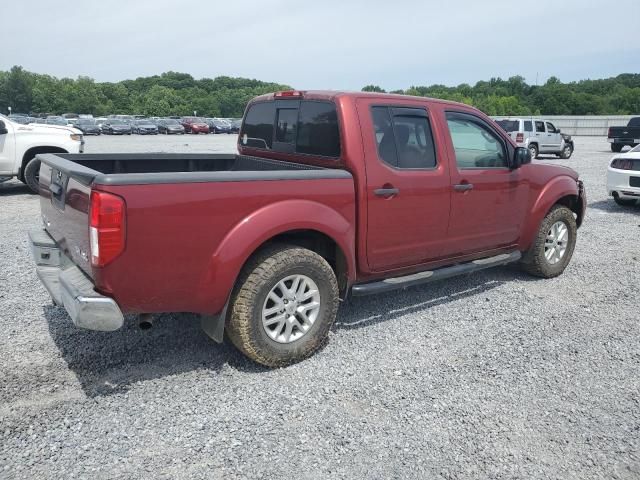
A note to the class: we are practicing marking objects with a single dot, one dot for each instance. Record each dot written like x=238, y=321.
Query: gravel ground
x=494, y=375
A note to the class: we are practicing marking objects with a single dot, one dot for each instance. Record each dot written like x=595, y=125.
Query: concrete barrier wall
x=593, y=125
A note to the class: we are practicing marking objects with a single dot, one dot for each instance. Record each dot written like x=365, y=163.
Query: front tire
x=553, y=245
x=566, y=153
x=32, y=175
x=284, y=305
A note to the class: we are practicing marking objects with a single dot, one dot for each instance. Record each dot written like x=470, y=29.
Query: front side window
x=551, y=128
x=475, y=145
x=403, y=137
x=539, y=127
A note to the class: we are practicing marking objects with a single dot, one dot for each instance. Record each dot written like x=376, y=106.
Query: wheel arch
x=32, y=152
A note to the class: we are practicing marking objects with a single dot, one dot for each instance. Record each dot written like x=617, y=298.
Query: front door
x=488, y=198
x=407, y=186
x=7, y=149
x=554, y=139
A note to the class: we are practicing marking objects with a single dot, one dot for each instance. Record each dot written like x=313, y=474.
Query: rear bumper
x=70, y=287
x=620, y=182
x=624, y=141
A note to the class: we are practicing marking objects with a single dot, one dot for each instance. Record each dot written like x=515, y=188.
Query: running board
x=395, y=283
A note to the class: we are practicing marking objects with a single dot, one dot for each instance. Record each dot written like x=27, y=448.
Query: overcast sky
x=334, y=44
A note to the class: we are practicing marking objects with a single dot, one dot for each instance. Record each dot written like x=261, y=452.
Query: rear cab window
x=308, y=127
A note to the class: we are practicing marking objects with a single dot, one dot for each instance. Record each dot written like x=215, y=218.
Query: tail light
x=609, y=132
x=624, y=164
x=519, y=137
x=106, y=227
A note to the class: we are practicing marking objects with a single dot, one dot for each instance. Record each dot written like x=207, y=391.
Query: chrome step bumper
x=70, y=287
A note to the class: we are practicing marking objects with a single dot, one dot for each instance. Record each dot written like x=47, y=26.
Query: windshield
x=115, y=121
x=86, y=121
x=635, y=149
x=170, y=122
x=509, y=125
x=144, y=122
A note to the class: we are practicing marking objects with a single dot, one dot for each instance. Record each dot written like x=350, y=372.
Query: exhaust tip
x=145, y=321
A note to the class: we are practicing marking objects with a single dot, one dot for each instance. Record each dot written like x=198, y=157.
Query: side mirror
x=557, y=130
x=521, y=156
x=3, y=128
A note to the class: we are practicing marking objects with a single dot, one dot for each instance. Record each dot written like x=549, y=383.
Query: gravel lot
x=495, y=375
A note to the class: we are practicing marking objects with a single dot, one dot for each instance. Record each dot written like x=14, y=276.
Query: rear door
x=408, y=196
x=488, y=198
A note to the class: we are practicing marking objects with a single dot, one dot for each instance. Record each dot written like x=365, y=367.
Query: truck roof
x=334, y=94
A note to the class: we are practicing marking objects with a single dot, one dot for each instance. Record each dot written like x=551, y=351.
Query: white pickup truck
x=19, y=144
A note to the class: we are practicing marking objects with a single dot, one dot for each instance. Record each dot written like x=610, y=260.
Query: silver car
x=538, y=135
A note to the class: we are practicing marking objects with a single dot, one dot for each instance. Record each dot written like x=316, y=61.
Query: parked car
x=145, y=127
x=619, y=137
x=235, y=125
x=217, y=125
x=115, y=126
x=88, y=126
x=538, y=135
x=321, y=203
x=56, y=120
x=194, y=125
x=170, y=126
x=19, y=147
x=21, y=118
x=100, y=121
x=623, y=177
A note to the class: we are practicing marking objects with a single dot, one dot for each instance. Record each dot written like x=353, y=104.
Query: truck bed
x=179, y=209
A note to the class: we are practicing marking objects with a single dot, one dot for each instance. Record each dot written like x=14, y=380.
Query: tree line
x=174, y=93
x=610, y=96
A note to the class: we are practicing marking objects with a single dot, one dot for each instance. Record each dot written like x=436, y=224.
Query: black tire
x=262, y=273
x=624, y=202
x=32, y=175
x=533, y=148
x=534, y=260
x=616, y=147
x=566, y=153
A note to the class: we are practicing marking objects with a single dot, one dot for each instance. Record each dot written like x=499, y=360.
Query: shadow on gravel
x=14, y=188
x=612, y=207
x=110, y=362
x=359, y=312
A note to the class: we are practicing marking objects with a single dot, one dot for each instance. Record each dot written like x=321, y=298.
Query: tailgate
x=64, y=203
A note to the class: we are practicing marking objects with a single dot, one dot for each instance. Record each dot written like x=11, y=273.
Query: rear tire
x=616, y=147
x=536, y=260
x=275, y=344
x=533, y=148
x=32, y=175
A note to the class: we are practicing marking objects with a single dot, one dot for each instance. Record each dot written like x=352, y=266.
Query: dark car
x=55, y=120
x=235, y=125
x=218, y=125
x=195, y=125
x=115, y=126
x=144, y=127
x=170, y=126
x=88, y=126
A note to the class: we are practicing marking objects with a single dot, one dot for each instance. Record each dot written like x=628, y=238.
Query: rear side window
x=318, y=132
x=308, y=127
x=528, y=127
x=539, y=126
x=403, y=137
x=257, y=130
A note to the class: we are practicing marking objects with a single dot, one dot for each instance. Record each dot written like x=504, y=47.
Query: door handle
x=386, y=192
x=463, y=187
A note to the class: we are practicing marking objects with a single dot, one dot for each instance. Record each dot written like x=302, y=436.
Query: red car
x=194, y=125
x=333, y=194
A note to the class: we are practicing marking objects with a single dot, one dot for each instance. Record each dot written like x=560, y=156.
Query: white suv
x=19, y=144
x=538, y=135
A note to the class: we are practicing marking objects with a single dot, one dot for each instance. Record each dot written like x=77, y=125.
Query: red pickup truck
x=332, y=194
